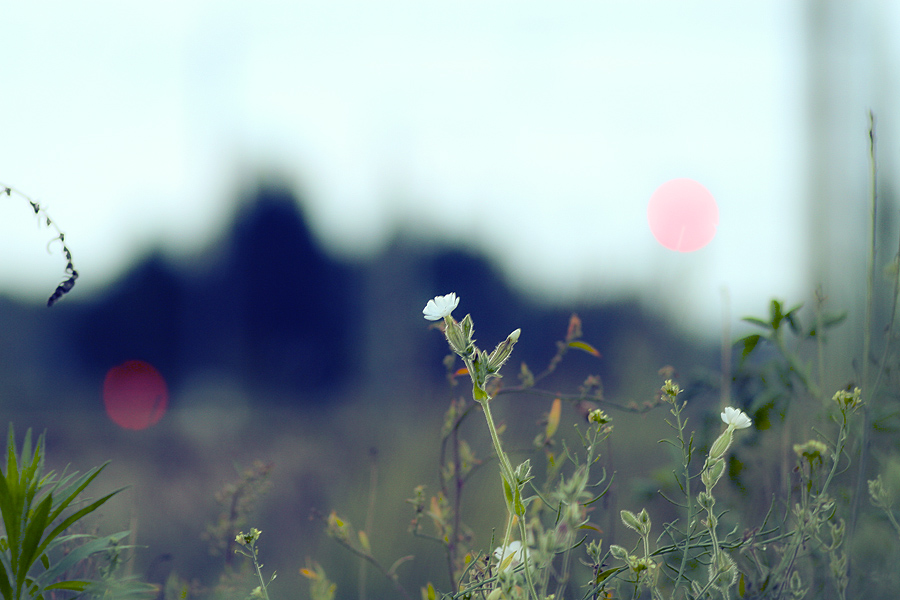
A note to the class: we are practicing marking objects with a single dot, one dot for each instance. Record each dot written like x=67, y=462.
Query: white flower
x=735, y=417
x=511, y=555
x=440, y=307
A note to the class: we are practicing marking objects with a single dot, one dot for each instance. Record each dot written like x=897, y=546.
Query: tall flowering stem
x=722, y=570
x=247, y=546
x=482, y=366
x=670, y=391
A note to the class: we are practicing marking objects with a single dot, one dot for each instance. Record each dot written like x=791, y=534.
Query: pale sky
x=534, y=131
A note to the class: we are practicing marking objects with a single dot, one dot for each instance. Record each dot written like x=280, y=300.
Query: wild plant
x=547, y=526
x=247, y=546
x=38, y=508
x=237, y=500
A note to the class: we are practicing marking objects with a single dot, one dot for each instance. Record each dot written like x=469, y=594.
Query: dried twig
x=70, y=274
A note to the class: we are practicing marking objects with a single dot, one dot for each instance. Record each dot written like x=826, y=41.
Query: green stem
x=686, y=461
x=262, y=582
x=714, y=539
x=712, y=524
x=508, y=474
x=867, y=326
x=505, y=465
x=838, y=450
x=890, y=515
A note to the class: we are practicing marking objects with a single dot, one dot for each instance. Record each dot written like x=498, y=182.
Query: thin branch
x=43, y=218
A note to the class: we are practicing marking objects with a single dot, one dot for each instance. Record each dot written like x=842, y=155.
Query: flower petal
x=440, y=306
x=736, y=417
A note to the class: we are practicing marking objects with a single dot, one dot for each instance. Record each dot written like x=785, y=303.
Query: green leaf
x=507, y=492
x=519, y=507
x=5, y=570
x=585, y=347
x=553, y=418
x=72, y=584
x=10, y=516
x=33, y=532
x=124, y=589
x=794, y=309
x=832, y=320
x=759, y=322
x=12, y=466
x=26, y=520
x=74, y=517
x=76, y=556
x=67, y=495
x=794, y=322
x=25, y=457
x=776, y=314
x=749, y=343
x=604, y=575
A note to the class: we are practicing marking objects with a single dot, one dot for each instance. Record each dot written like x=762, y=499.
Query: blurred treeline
x=274, y=351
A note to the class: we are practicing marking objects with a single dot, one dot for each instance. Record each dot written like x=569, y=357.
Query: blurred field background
x=273, y=352
x=267, y=238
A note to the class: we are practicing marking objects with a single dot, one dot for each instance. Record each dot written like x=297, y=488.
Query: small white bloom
x=512, y=555
x=440, y=307
x=736, y=417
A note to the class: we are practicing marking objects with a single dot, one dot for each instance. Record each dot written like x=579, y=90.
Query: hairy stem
x=508, y=474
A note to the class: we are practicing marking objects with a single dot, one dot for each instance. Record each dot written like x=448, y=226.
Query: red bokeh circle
x=135, y=395
x=683, y=215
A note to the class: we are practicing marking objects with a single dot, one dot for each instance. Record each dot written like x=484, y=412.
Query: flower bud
x=599, y=417
x=712, y=472
x=478, y=370
x=812, y=450
x=721, y=444
x=670, y=390
x=523, y=472
x=847, y=400
x=468, y=330
x=337, y=527
x=706, y=501
x=595, y=551
x=837, y=532
x=618, y=552
x=639, y=522
x=456, y=336
x=879, y=495
x=502, y=351
x=723, y=573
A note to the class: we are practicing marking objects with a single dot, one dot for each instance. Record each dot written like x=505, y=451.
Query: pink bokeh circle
x=683, y=215
x=135, y=395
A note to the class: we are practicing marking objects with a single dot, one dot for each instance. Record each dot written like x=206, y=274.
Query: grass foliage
x=38, y=549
